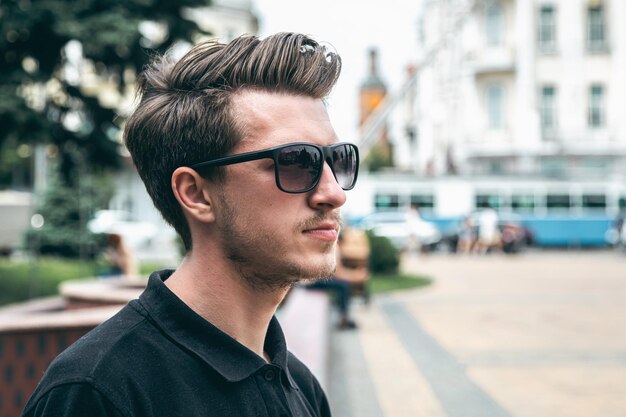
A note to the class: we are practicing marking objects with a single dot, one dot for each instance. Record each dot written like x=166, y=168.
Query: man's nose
x=327, y=193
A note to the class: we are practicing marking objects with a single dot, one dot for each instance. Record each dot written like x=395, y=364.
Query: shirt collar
x=228, y=357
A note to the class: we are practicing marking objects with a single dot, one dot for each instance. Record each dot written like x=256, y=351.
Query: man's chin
x=318, y=272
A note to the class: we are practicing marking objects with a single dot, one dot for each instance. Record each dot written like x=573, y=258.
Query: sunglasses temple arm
x=235, y=159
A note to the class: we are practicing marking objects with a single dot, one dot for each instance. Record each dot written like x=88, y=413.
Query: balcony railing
x=490, y=60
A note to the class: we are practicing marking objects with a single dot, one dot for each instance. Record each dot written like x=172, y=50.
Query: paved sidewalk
x=542, y=334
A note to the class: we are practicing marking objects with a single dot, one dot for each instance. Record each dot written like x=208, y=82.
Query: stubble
x=260, y=258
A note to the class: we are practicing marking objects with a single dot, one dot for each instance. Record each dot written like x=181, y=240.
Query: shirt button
x=270, y=375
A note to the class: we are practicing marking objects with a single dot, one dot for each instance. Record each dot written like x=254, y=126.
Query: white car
x=394, y=225
x=136, y=234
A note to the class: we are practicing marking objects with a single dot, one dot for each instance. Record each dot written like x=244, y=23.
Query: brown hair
x=185, y=114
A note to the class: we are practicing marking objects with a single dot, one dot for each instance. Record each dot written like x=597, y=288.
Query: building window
x=547, y=28
x=421, y=32
x=548, y=107
x=554, y=168
x=495, y=106
x=596, y=116
x=495, y=168
x=596, y=28
x=494, y=24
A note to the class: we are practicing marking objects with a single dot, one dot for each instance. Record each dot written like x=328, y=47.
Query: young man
x=235, y=148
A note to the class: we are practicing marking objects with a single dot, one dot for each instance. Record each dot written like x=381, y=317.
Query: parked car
x=394, y=225
x=136, y=234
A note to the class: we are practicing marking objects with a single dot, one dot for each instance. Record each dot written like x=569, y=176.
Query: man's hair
x=185, y=115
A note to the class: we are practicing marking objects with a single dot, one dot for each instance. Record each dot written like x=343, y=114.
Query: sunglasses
x=298, y=166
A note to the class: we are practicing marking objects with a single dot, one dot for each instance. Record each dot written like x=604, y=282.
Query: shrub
x=24, y=280
x=384, y=257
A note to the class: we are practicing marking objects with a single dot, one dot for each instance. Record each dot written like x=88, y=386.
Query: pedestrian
x=235, y=147
x=119, y=257
x=467, y=236
x=413, y=223
x=488, y=233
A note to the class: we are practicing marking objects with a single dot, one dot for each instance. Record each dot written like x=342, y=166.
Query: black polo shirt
x=157, y=357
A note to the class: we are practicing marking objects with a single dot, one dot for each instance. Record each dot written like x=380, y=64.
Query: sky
x=351, y=27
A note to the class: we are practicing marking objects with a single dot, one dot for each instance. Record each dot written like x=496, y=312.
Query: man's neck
x=213, y=290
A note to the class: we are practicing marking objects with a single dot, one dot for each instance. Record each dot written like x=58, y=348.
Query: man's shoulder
x=73, y=399
x=106, y=340
x=100, y=355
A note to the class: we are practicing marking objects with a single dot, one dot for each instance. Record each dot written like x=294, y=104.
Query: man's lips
x=326, y=231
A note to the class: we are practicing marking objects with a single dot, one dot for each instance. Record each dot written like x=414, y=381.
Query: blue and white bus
x=556, y=212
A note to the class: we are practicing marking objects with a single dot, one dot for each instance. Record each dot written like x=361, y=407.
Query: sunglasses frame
x=272, y=153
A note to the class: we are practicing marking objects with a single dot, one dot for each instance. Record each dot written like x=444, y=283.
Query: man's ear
x=192, y=194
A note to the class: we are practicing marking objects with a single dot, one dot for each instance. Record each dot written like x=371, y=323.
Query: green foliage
x=66, y=211
x=377, y=159
x=394, y=282
x=384, y=257
x=23, y=280
x=37, y=94
x=15, y=164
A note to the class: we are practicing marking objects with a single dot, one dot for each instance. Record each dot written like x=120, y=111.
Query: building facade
x=520, y=87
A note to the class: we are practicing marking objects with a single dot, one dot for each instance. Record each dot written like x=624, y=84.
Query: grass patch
x=380, y=283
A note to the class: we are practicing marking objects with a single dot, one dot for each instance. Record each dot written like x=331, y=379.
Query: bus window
x=488, y=200
x=558, y=201
x=386, y=201
x=423, y=201
x=594, y=201
x=523, y=202
x=621, y=204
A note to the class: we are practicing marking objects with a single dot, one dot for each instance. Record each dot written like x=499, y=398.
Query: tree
x=45, y=98
x=65, y=213
x=66, y=68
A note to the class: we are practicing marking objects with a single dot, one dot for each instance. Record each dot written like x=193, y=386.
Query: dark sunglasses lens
x=299, y=167
x=345, y=163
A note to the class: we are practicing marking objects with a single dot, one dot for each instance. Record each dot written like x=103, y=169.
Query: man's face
x=274, y=238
